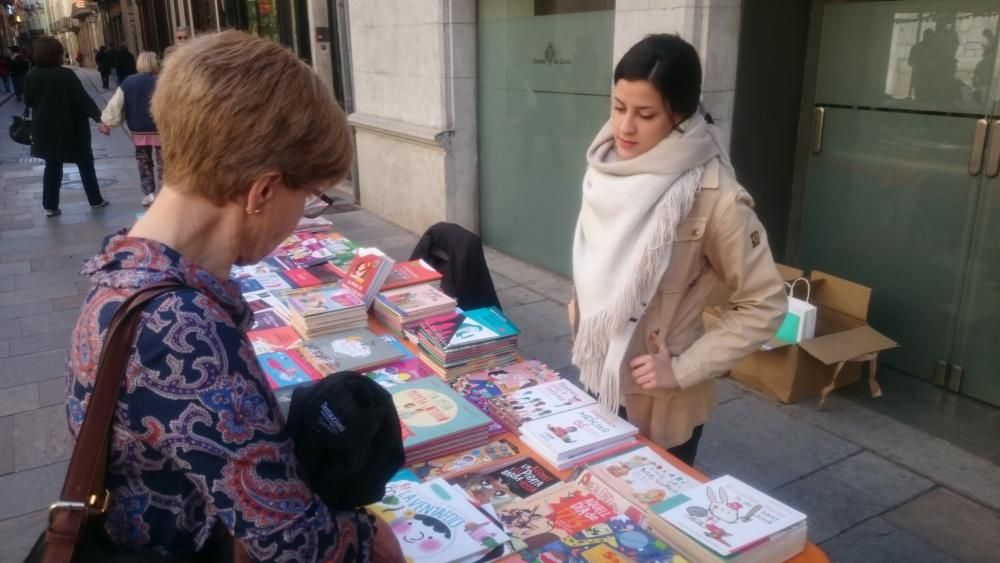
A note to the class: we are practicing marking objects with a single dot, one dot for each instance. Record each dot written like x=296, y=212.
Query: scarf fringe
x=599, y=373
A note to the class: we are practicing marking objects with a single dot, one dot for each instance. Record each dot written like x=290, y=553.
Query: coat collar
x=710, y=178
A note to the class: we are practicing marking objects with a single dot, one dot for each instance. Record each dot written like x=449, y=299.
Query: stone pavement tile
x=559, y=289
x=40, y=342
x=33, y=368
x=59, y=262
x=879, y=541
x=545, y=320
x=846, y=493
x=969, y=531
x=18, y=535
x=918, y=451
x=727, y=390
x=31, y=490
x=16, y=226
x=4, y=349
x=41, y=437
x=10, y=329
x=830, y=506
x=52, y=391
x=517, y=295
x=58, y=288
x=24, y=310
x=19, y=399
x=6, y=445
x=48, y=322
x=34, y=279
x=556, y=353
x=49, y=251
x=73, y=302
x=750, y=438
x=15, y=268
x=6, y=283
x=501, y=283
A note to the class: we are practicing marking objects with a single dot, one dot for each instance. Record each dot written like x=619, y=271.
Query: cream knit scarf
x=623, y=241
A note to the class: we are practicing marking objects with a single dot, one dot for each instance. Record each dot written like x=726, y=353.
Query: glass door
x=544, y=87
x=895, y=195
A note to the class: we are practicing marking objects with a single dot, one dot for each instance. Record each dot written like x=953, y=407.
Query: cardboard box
x=790, y=372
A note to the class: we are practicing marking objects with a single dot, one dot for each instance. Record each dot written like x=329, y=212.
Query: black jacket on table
x=458, y=254
x=60, y=108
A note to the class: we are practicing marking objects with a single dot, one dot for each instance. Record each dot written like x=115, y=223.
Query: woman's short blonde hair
x=147, y=63
x=223, y=127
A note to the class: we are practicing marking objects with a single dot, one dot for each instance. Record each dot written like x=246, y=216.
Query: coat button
x=696, y=232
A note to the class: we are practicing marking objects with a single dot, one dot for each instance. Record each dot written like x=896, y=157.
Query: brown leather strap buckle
x=96, y=503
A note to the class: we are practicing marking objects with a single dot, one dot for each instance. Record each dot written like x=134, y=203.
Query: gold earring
x=254, y=212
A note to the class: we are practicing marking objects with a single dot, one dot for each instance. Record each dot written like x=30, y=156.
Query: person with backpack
x=124, y=63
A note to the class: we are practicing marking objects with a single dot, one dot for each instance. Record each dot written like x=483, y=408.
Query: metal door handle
x=819, y=120
x=993, y=158
x=978, y=144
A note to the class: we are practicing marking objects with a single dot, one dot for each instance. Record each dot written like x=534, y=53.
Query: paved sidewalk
x=875, y=489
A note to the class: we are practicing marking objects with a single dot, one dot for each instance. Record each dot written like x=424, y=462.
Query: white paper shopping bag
x=800, y=321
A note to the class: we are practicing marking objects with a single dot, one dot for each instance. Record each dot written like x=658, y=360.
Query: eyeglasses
x=318, y=205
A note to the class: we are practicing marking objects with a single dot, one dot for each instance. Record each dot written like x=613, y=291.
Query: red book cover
x=300, y=277
x=411, y=273
x=367, y=272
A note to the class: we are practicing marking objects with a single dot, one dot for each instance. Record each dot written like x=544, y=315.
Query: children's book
x=454, y=330
x=403, y=371
x=411, y=273
x=574, y=432
x=274, y=339
x=267, y=319
x=557, y=513
x=641, y=475
x=285, y=369
x=499, y=486
x=321, y=300
x=434, y=523
x=355, y=350
x=481, y=386
x=536, y=402
x=320, y=274
x=489, y=455
x=367, y=273
x=727, y=515
x=411, y=300
x=619, y=540
x=430, y=411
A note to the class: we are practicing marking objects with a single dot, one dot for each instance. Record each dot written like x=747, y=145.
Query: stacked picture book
x=436, y=420
x=367, y=272
x=325, y=309
x=458, y=343
x=414, y=272
x=357, y=350
x=481, y=387
x=401, y=310
x=570, y=438
x=550, y=398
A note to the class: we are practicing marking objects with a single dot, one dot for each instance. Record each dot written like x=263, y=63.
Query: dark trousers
x=18, y=86
x=684, y=452
x=52, y=180
x=105, y=75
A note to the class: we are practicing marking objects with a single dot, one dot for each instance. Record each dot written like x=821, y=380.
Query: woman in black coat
x=60, y=132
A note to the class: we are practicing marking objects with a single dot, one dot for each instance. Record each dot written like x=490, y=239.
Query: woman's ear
x=262, y=191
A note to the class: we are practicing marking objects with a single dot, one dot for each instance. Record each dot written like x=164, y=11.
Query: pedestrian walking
x=662, y=221
x=181, y=34
x=215, y=444
x=60, y=132
x=124, y=63
x=19, y=67
x=103, y=58
x=5, y=72
x=131, y=105
x=79, y=58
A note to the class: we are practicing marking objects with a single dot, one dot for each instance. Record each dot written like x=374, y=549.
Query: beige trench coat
x=720, y=240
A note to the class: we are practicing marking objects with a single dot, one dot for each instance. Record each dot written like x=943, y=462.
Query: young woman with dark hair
x=663, y=221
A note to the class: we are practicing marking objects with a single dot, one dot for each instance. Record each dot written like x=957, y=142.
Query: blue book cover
x=430, y=410
x=455, y=330
x=285, y=369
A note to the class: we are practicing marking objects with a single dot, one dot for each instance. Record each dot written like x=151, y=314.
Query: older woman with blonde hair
x=198, y=445
x=131, y=104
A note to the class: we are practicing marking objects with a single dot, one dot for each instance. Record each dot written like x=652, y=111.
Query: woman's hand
x=654, y=371
x=386, y=547
x=103, y=129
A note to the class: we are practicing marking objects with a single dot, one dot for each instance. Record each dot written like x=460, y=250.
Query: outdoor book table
x=811, y=554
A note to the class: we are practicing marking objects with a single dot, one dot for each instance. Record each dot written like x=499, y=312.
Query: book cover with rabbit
x=727, y=515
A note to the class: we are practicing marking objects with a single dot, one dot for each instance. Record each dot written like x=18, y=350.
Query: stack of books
x=415, y=272
x=575, y=437
x=533, y=403
x=456, y=344
x=301, y=250
x=357, y=350
x=325, y=309
x=494, y=487
x=314, y=225
x=287, y=369
x=436, y=522
x=639, y=475
x=436, y=420
x=728, y=520
x=401, y=310
x=367, y=272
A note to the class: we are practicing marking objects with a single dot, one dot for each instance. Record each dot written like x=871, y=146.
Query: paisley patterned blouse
x=197, y=438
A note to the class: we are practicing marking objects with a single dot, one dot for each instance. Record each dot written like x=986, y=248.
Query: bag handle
x=790, y=286
x=83, y=491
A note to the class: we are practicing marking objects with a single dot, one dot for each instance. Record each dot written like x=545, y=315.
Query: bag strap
x=83, y=491
x=790, y=286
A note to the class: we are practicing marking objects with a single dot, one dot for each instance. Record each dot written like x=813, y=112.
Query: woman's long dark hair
x=672, y=65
